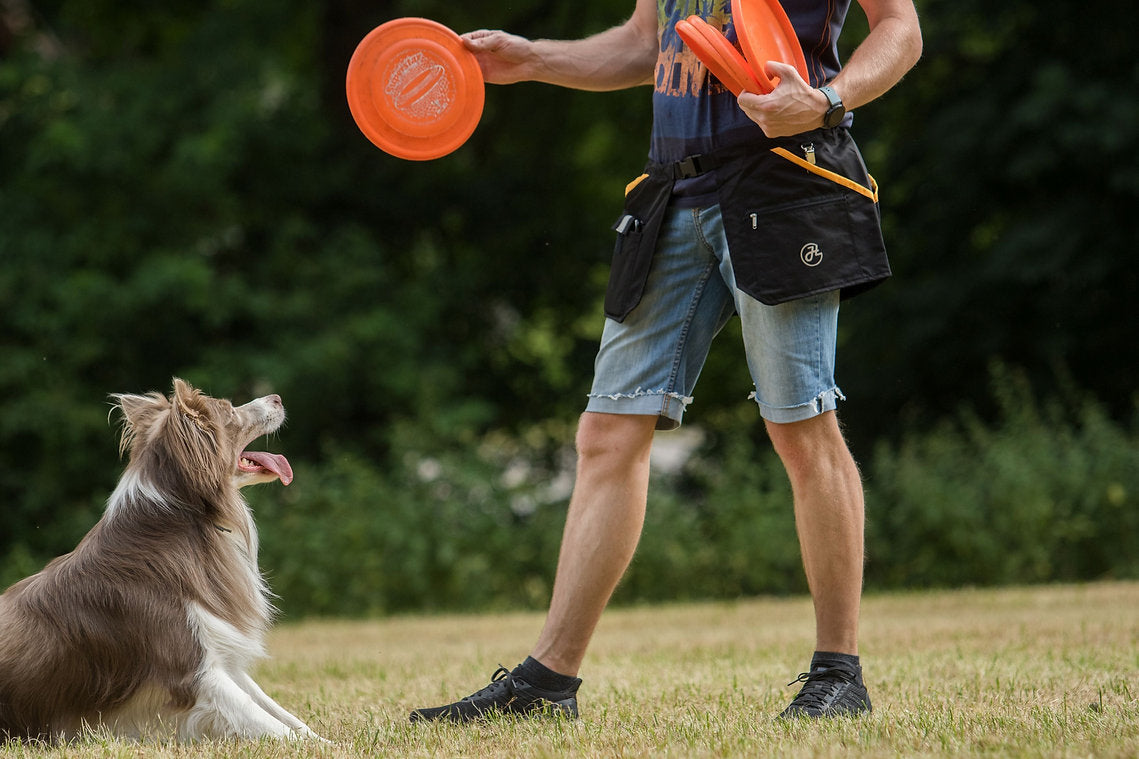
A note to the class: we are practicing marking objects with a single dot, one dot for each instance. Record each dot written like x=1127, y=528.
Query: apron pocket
x=795, y=251
x=637, y=229
x=792, y=233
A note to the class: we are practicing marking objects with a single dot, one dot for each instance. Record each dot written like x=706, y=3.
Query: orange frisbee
x=414, y=90
x=766, y=34
x=720, y=56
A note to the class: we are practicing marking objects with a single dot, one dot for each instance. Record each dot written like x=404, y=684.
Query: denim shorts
x=649, y=363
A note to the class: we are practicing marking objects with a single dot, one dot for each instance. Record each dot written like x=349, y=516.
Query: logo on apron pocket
x=810, y=254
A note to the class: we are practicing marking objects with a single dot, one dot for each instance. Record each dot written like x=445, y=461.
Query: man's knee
x=808, y=444
x=614, y=436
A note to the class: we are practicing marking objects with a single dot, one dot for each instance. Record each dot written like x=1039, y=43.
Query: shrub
x=1044, y=492
x=1047, y=492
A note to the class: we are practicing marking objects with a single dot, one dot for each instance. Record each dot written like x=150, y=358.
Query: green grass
x=1048, y=671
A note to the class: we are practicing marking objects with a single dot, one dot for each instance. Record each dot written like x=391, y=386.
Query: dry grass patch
x=1050, y=671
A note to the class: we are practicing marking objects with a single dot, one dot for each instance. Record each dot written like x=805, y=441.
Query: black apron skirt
x=800, y=214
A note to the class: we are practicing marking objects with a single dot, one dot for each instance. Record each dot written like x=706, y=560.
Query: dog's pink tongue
x=275, y=463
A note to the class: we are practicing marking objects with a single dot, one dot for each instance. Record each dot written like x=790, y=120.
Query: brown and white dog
x=147, y=629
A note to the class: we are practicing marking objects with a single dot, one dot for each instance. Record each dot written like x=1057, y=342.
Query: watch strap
x=836, y=110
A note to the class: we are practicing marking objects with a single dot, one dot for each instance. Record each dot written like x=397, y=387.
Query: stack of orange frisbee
x=414, y=90
x=765, y=34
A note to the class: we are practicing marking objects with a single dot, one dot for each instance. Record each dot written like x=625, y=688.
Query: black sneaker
x=829, y=691
x=507, y=694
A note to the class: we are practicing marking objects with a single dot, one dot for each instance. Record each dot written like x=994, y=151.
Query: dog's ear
x=190, y=403
x=139, y=412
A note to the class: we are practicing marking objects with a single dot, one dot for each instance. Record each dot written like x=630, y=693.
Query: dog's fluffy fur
x=148, y=627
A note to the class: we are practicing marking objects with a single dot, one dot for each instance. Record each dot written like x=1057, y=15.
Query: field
x=1047, y=671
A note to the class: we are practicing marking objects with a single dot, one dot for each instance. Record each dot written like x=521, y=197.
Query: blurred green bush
x=1047, y=492
x=1050, y=491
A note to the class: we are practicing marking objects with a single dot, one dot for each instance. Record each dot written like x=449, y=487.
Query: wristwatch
x=835, y=111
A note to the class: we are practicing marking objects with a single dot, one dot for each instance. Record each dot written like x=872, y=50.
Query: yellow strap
x=629, y=187
x=869, y=192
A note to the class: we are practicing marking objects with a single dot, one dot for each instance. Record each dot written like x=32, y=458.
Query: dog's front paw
x=306, y=734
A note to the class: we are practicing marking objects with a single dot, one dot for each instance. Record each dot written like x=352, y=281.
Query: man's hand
x=504, y=58
x=891, y=48
x=792, y=107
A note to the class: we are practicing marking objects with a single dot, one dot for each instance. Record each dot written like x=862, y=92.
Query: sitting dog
x=148, y=627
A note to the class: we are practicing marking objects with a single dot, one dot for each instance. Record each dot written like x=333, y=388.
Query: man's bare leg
x=603, y=524
x=830, y=518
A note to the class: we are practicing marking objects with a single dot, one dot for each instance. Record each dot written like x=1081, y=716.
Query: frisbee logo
x=810, y=254
x=419, y=88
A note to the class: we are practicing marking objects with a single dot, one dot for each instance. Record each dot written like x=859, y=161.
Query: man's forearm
x=879, y=62
x=611, y=60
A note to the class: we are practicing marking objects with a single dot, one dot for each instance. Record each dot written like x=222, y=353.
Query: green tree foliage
x=1009, y=185
x=149, y=172
x=182, y=191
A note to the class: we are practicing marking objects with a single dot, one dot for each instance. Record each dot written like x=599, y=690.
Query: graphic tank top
x=692, y=112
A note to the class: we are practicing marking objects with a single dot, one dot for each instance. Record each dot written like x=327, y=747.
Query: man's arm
x=621, y=57
x=891, y=49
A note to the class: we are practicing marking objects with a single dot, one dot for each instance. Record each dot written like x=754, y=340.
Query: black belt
x=696, y=165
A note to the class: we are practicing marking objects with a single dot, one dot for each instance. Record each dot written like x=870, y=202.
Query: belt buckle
x=689, y=167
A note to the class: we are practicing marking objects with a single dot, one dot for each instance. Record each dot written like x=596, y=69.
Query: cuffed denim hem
x=820, y=404
x=668, y=406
